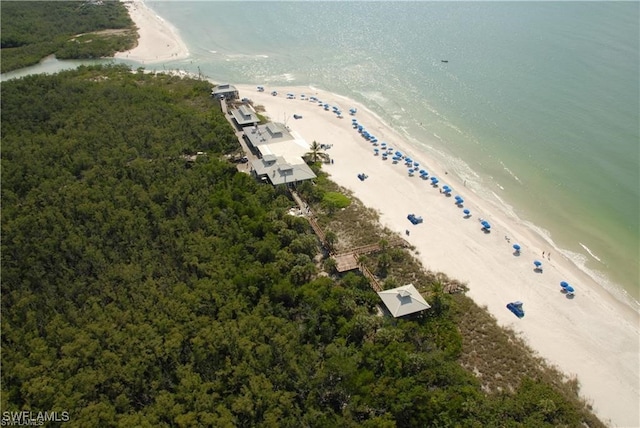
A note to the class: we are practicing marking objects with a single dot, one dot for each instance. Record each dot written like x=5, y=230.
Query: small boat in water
x=444, y=60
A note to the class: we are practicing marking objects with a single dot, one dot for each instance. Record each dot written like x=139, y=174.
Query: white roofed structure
x=403, y=300
x=277, y=170
x=245, y=116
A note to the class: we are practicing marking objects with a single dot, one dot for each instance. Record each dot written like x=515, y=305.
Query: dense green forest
x=142, y=290
x=33, y=30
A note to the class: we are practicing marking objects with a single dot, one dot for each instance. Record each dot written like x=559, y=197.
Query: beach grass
x=500, y=360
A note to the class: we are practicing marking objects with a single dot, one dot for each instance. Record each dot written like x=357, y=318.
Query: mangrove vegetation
x=143, y=289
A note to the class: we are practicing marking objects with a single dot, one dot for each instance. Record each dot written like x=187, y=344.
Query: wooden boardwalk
x=348, y=260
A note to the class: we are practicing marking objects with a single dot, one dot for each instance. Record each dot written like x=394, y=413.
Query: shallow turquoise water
x=538, y=104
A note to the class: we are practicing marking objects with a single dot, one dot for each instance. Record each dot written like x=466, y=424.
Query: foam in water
x=590, y=252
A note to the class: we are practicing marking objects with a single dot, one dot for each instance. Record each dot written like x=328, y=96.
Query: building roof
x=244, y=115
x=403, y=300
x=224, y=89
x=267, y=134
x=279, y=171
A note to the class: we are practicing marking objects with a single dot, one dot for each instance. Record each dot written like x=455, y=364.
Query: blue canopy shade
x=564, y=284
x=399, y=154
x=459, y=201
x=445, y=189
x=395, y=158
x=538, y=263
x=383, y=144
x=423, y=172
x=433, y=178
x=354, y=120
x=466, y=211
x=416, y=164
x=569, y=289
x=516, y=247
x=457, y=197
x=376, y=150
x=486, y=225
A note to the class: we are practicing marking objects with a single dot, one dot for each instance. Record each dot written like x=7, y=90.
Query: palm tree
x=315, y=153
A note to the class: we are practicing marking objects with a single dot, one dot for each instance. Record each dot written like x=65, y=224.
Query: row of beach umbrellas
x=413, y=168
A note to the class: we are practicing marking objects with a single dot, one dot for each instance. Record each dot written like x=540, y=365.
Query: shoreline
x=158, y=40
x=598, y=332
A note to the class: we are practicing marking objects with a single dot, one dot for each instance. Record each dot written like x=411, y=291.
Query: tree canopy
x=32, y=30
x=139, y=289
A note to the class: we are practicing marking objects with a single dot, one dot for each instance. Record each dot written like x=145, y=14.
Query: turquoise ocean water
x=537, y=108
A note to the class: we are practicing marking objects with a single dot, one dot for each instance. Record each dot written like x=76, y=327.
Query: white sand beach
x=592, y=336
x=159, y=40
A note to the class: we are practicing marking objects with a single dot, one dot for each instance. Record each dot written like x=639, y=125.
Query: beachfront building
x=245, y=116
x=277, y=170
x=269, y=133
x=279, y=154
x=403, y=300
x=225, y=91
x=274, y=138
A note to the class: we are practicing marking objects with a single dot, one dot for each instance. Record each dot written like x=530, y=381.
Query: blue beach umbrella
x=383, y=144
x=416, y=164
x=564, y=284
x=486, y=224
x=537, y=263
x=569, y=289
x=516, y=247
x=399, y=154
x=459, y=201
x=354, y=120
x=466, y=211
